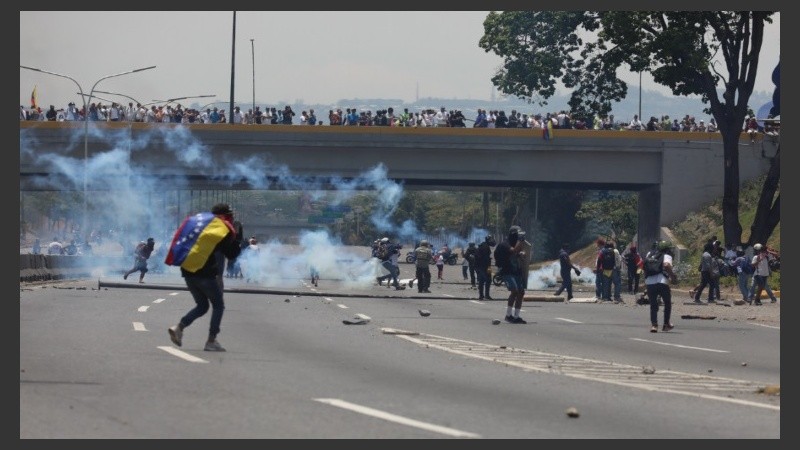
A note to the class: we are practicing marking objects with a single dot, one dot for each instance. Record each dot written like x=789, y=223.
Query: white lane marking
x=181, y=354
x=448, y=295
x=328, y=299
x=139, y=326
x=313, y=290
x=173, y=293
x=567, y=320
x=143, y=308
x=159, y=300
x=477, y=302
x=363, y=316
x=395, y=418
x=341, y=306
x=766, y=326
x=682, y=346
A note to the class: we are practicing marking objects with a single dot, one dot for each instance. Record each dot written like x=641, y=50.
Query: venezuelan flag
x=34, y=104
x=196, y=239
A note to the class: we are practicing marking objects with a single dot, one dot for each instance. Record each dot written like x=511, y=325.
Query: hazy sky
x=314, y=57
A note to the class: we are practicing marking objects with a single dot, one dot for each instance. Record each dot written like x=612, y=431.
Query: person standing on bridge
x=193, y=247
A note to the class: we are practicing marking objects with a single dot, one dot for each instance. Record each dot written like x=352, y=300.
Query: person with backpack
x=658, y=274
x=744, y=271
x=707, y=265
x=423, y=255
x=506, y=257
x=566, y=271
x=606, y=262
x=141, y=254
x=760, y=275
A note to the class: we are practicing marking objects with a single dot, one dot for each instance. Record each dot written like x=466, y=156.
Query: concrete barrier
x=58, y=267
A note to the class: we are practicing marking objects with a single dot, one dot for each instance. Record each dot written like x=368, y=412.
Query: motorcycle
x=450, y=259
x=497, y=280
x=411, y=258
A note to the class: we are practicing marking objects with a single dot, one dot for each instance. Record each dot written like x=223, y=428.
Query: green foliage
x=617, y=212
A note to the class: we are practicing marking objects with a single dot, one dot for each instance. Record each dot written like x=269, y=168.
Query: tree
x=584, y=50
x=617, y=212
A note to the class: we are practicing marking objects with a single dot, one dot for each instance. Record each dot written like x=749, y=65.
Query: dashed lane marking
x=367, y=411
x=144, y=308
x=173, y=293
x=567, y=320
x=342, y=306
x=181, y=354
x=477, y=302
x=139, y=326
x=328, y=299
x=766, y=326
x=159, y=300
x=681, y=346
x=701, y=386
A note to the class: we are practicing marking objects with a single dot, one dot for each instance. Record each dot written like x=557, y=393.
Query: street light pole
x=233, y=65
x=86, y=128
x=253, y=51
x=640, y=95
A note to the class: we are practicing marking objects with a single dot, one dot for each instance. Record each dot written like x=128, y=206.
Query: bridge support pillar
x=649, y=227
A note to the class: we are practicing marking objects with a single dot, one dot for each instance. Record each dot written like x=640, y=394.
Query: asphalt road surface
x=96, y=362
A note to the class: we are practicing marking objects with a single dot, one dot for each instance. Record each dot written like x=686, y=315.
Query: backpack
x=607, y=258
x=653, y=264
x=714, y=269
x=502, y=256
x=383, y=252
x=747, y=266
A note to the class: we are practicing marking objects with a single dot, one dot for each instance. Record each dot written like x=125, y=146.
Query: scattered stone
x=648, y=370
x=287, y=300
x=572, y=412
x=744, y=364
x=770, y=389
x=739, y=302
x=495, y=322
x=751, y=318
x=424, y=313
x=710, y=370
x=355, y=321
x=694, y=316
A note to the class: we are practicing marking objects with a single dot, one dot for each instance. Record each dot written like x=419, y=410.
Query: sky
x=294, y=57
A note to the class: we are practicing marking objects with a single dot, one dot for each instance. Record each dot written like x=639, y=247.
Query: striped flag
x=33, y=98
x=196, y=239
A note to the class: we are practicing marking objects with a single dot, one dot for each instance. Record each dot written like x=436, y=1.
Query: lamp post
x=86, y=127
x=253, y=51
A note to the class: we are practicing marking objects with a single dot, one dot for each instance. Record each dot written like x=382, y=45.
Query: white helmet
x=386, y=239
x=758, y=247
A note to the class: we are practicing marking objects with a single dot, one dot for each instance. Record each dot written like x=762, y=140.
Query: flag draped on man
x=33, y=98
x=195, y=239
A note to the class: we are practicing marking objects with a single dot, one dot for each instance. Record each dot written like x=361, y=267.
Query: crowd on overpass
x=117, y=112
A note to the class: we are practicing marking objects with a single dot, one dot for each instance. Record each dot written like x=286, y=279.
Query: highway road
x=96, y=362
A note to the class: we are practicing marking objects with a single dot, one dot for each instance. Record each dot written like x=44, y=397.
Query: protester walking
x=507, y=260
x=483, y=270
x=566, y=271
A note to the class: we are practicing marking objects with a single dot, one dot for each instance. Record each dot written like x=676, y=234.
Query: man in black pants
x=483, y=260
x=566, y=271
x=423, y=255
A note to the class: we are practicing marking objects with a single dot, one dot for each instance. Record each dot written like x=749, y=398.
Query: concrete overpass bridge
x=674, y=172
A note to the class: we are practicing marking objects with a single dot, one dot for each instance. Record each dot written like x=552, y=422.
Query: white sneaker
x=176, y=335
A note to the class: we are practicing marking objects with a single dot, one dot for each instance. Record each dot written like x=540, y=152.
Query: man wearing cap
x=423, y=256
